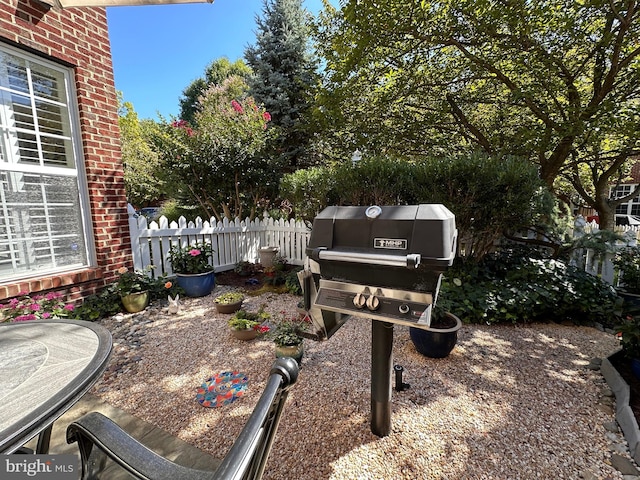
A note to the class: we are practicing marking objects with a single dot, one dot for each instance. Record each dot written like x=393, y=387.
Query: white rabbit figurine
x=173, y=304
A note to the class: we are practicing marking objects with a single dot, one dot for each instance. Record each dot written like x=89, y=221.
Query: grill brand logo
x=390, y=243
x=50, y=467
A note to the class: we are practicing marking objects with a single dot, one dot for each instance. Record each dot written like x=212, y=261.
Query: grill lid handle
x=411, y=260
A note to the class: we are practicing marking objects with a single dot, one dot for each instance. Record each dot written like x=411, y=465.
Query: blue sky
x=158, y=50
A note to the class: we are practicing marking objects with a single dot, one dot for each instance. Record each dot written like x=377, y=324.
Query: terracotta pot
x=246, y=334
x=228, y=307
x=135, y=302
x=294, y=351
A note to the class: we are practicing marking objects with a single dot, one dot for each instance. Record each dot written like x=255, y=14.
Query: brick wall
x=78, y=37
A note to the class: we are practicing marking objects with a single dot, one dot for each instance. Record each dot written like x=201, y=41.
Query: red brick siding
x=78, y=37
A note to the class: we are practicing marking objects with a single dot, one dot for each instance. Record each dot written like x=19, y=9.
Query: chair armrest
x=100, y=438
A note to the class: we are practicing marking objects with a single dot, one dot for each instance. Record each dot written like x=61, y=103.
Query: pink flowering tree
x=219, y=163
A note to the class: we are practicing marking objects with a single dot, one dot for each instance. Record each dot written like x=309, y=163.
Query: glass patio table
x=45, y=368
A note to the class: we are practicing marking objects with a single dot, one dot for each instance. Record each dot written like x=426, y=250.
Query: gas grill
x=383, y=263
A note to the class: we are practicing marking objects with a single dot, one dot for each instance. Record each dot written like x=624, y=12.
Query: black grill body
x=383, y=263
x=391, y=258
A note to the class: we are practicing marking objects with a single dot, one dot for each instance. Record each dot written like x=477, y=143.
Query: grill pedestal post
x=381, y=365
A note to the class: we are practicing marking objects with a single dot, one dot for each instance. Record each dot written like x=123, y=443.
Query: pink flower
x=46, y=315
x=52, y=295
x=189, y=131
x=236, y=106
x=34, y=307
x=266, y=116
x=24, y=318
x=194, y=252
x=69, y=307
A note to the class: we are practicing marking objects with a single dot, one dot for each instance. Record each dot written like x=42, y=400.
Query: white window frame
x=17, y=267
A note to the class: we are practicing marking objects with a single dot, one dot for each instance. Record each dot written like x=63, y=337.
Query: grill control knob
x=359, y=300
x=373, y=303
x=404, y=308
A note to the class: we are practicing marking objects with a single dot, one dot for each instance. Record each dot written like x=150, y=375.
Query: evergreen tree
x=283, y=74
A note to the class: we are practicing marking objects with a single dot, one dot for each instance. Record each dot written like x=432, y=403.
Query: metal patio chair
x=100, y=439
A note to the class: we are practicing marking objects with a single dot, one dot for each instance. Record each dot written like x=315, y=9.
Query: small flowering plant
x=197, y=258
x=243, y=320
x=132, y=282
x=287, y=329
x=24, y=307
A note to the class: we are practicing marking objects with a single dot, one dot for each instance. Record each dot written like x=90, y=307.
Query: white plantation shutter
x=41, y=226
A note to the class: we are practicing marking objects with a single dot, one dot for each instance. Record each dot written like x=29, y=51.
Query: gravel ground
x=510, y=402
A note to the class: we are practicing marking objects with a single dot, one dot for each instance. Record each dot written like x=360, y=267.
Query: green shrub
x=488, y=195
x=100, y=305
x=292, y=283
x=307, y=190
x=511, y=286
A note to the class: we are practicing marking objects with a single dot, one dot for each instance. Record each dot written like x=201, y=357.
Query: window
x=41, y=191
x=632, y=206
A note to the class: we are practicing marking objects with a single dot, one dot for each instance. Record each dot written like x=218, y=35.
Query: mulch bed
x=241, y=282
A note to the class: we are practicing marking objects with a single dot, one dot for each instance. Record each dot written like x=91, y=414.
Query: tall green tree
x=533, y=79
x=283, y=74
x=215, y=73
x=141, y=163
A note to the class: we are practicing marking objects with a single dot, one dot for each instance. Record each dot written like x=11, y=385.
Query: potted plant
x=244, y=269
x=627, y=261
x=439, y=339
x=248, y=325
x=286, y=333
x=133, y=288
x=229, y=302
x=193, y=266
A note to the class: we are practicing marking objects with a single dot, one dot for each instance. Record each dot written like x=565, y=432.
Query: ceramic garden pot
x=294, y=351
x=437, y=342
x=246, y=334
x=198, y=284
x=228, y=307
x=135, y=302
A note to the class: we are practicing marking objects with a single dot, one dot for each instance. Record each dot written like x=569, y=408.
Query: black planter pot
x=436, y=342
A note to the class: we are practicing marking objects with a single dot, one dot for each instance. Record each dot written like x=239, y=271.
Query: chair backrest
x=100, y=439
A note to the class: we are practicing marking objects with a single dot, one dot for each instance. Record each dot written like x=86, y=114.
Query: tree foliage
x=215, y=73
x=554, y=81
x=220, y=165
x=141, y=163
x=283, y=74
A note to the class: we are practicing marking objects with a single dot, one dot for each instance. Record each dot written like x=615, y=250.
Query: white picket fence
x=602, y=264
x=232, y=242
x=242, y=240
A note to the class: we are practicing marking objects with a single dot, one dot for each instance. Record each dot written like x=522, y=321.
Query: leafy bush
x=95, y=307
x=307, y=191
x=292, y=283
x=488, y=195
x=511, y=286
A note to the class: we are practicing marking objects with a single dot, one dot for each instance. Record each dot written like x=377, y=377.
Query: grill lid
x=405, y=246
